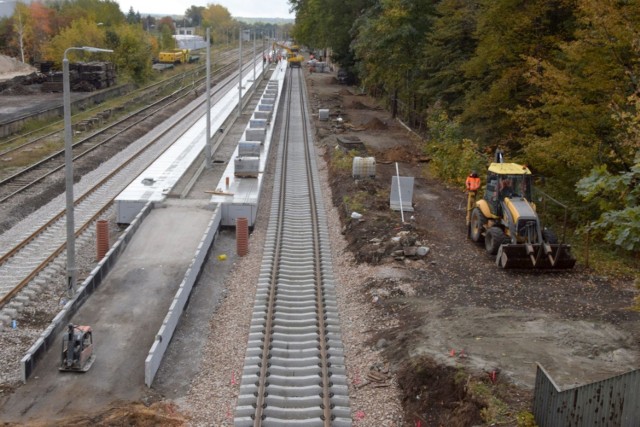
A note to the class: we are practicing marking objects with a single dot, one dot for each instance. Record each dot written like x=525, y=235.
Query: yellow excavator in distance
x=293, y=54
x=505, y=219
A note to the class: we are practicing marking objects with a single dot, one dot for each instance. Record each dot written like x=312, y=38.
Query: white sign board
x=404, y=193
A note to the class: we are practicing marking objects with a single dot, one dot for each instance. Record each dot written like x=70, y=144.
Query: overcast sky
x=237, y=8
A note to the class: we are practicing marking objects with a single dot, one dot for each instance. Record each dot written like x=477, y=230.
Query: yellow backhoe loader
x=505, y=219
x=293, y=54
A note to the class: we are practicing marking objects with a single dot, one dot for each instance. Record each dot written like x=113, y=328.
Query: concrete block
x=5, y=320
x=258, y=134
x=257, y=123
x=29, y=292
x=36, y=287
x=12, y=313
x=22, y=298
x=266, y=115
x=17, y=305
x=249, y=149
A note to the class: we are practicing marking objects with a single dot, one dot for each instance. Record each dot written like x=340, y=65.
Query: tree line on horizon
x=555, y=84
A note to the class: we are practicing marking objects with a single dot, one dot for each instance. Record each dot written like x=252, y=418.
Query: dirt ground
x=461, y=316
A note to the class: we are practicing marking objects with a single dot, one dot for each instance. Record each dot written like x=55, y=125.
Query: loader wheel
x=549, y=236
x=476, y=226
x=493, y=239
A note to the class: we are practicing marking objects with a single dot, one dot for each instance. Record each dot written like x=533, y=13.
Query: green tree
x=194, y=15
x=617, y=197
x=131, y=16
x=329, y=24
x=450, y=44
x=575, y=118
x=20, y=21
x=219, y=19
x=167, y=29
x=507, y=32
x=106, y=12
x=132, y=54
x=81, y=33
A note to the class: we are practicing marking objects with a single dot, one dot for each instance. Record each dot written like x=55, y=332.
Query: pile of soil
x=357, y=105
x=375, y=124
x=121, y=414
x=11, y=67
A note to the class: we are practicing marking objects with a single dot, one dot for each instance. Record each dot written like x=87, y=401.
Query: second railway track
x=117, y=134
x=23, y=257
x=294, y=373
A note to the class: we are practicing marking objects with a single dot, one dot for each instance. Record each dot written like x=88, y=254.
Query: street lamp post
x=207, y=146
x=68, y=167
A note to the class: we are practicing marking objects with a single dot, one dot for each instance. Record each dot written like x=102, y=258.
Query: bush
x=452, y=157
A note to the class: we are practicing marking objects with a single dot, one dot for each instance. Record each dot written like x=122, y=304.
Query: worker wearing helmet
x=473, y=181
x=506, y=188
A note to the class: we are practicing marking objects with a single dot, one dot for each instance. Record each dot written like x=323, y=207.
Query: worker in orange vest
x=473, y=181
x=473, y=184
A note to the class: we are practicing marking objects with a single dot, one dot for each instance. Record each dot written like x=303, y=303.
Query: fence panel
x=610, y=402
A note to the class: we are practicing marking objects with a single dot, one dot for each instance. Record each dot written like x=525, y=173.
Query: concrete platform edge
x=48, y=338
x=171, y=320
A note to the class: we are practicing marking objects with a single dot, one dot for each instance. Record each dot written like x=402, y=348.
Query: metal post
x=207, y=147
x=240, y=74
x=254, y=55
x=68, y=167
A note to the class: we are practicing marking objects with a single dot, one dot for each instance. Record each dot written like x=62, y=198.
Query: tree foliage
x=553, y=82
x=81, y=33
x=450, y=44
x=390, y=41
x=132, y=51
x=219, y=19
x=617, y=197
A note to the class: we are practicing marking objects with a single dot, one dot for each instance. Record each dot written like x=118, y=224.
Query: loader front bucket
x=535, y=256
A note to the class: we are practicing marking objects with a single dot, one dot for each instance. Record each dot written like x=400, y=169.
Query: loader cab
x=506, y=180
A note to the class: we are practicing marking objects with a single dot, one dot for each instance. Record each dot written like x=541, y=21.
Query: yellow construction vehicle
x=293, y=54
x=175, y=56
x=505, y=219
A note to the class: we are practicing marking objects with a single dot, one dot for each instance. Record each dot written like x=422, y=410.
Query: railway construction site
x=439, y=338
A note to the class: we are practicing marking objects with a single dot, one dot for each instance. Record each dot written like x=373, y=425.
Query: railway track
x=23, y=261
x=187, y=79
x=294, y=371
x=29, y=178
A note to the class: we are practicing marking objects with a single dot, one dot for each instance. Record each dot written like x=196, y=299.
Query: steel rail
x=57, y=157
x=295, y=317
x=143, y=92
x=4, y=299
x=90, y=139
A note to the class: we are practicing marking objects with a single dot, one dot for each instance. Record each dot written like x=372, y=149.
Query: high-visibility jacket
x=473, y=183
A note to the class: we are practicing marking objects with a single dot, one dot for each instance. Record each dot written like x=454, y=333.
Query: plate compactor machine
x=77, y=349
x=505, y=219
